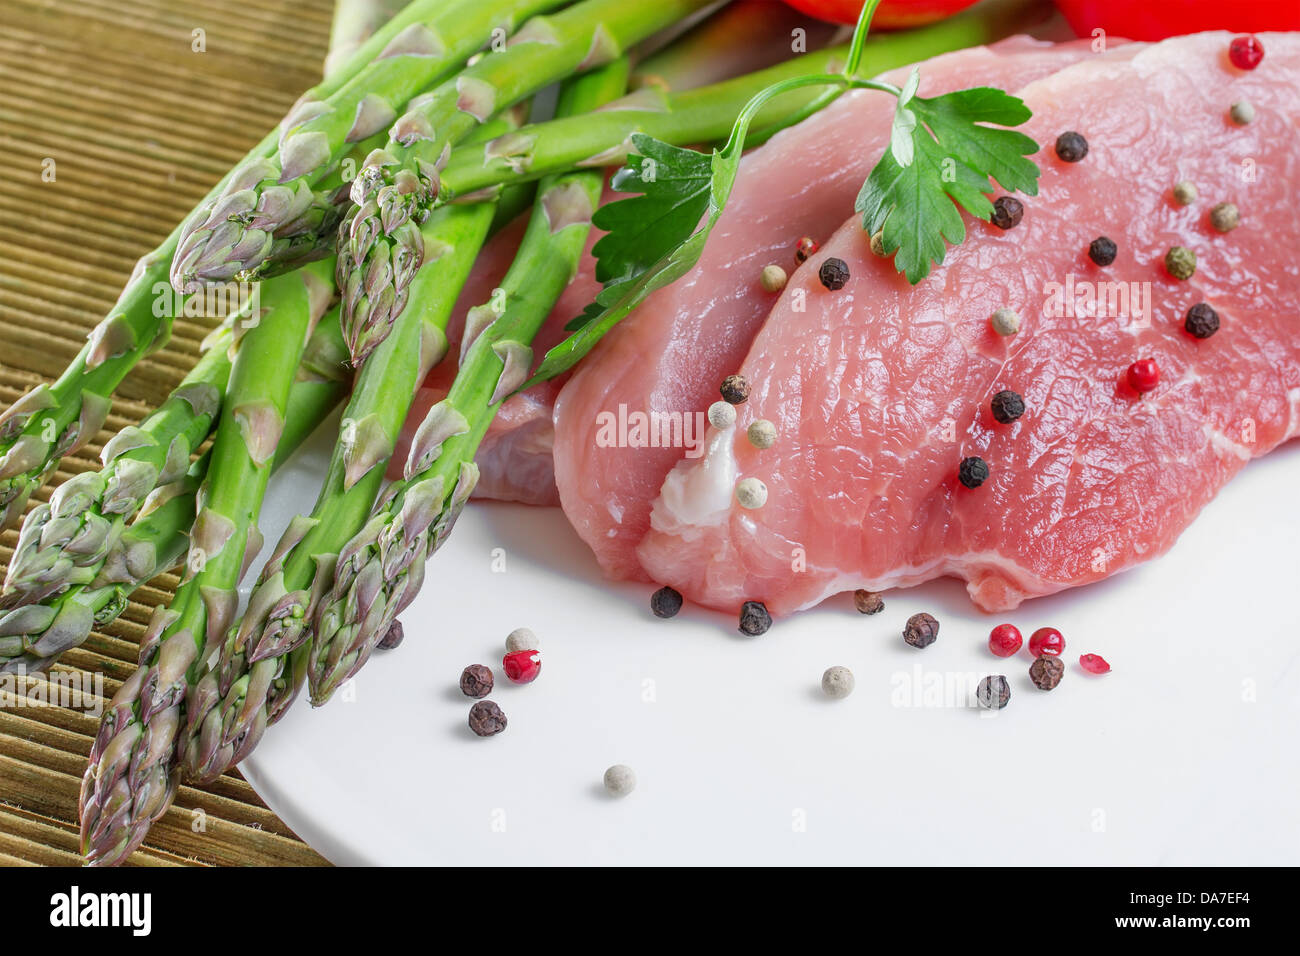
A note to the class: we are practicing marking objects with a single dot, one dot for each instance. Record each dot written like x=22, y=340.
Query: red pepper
x=1137, y=20
x=890, y=15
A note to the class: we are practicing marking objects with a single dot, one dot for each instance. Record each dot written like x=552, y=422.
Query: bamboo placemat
x=138, y=126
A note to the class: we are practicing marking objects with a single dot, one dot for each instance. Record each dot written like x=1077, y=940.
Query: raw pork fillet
x=671, y=354
x=878, y=391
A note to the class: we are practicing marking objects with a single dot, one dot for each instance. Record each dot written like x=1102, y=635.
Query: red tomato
x=1155, y=21
x=890, y=15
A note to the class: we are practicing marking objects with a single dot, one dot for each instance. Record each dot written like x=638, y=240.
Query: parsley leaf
x=940, y=153
x=653, y=239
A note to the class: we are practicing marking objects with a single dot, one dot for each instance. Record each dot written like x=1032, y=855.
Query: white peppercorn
x=620, y=780
x=522, y=639
x=722, y=415
x=773, y=278
x=837, y=682
x=1185, y=192
x=751, y=493
x=762, y=433
x=1005, y=322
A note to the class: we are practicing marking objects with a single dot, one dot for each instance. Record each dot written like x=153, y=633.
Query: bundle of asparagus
x=426, y=109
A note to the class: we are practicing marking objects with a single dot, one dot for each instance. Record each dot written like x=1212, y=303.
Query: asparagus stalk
x=742, y=36
x=55, y=420
x=355, y=22
x=271, y=197
x=372, y=301
x=64, y=542
x=133, y=773
x=33, y=640
x=260, y=668
x=379, y=240
x=708, y=113
x=33, y=637
x=379, y=571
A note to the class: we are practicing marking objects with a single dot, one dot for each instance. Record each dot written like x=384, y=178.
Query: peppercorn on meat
x=672, y=354
x=1136, y=407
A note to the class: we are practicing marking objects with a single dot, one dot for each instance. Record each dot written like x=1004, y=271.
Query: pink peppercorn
x=1143, y=375
x=1245, y=52
x=1094, y=663
x=1046, y=640
x=522, y=667
x=1005, y=640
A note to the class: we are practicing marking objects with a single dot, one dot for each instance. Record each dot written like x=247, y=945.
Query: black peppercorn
x=868, y=602
x=393, y=637
x=476, y=681
x=754, y=619
x=1007, y=406
x=973, y=472
x=1046, y=672
x=1202, y=321
x=1071, y=146
x=993, y=692
x=486, y=719
x=1102, y=250
x=665, y=602
x=922, y=630
x=1007, y=212
x=734, y=389
x=833, y=273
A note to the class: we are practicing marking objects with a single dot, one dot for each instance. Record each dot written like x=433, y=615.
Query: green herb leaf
x=674, y=192
x=940, y=154
x=653, y=238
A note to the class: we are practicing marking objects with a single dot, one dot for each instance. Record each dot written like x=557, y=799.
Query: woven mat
x=139, y=127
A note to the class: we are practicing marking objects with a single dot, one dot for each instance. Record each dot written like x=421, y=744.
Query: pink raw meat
x=672, y=353
x=879, y=390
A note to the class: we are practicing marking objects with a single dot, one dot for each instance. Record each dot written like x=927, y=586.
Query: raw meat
x=879, y=390
x=671, y=354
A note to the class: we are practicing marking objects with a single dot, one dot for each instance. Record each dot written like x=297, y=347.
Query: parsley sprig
x=940, y=153
x=943, y=151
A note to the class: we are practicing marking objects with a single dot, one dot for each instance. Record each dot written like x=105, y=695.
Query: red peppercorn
x=1245, y=52
x=1046, y=640
x=1094, y=663
x=1143, y=375
x=804, y=248
x=522, y=667
x=1005, y=640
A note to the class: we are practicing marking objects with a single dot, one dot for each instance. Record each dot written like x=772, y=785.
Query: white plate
x=1185, y=754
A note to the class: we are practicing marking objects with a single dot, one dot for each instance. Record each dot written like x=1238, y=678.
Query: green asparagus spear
x=355, y=22
x=707, y=114
x=133, y=772
x=379, y=571
x=379, y=240
x=271, y=197
x=62, y=543
x=34, y=637
x=261, y=665
x=742, y=36
x=55, y=420
x=367, y=297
